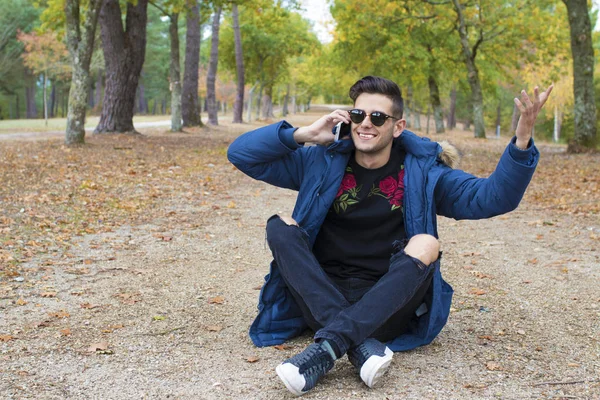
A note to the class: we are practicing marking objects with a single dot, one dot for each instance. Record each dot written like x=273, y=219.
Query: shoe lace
x=315, y=360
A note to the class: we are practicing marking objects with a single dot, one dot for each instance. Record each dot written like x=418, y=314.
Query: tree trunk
x=91, y=96
x=451, y=123
x=267, y=103
x=190, y=102
x=98, y=89
x=142, y=104
x=211, y=77
x=408, y=107
x=31, y=108
x=498, y=119
x=583, y=75
x=45, y=99
x=249, y=111
x=416, y=119
x=53, y=100
x=17, y=108
x=238, y=105
x=557, y=125
x=472, y=73
x=80, y=42
x=434, y=98
x=286, y=98
x=175, y=74
x=428, y=116
x=124, y=52
x=515, y=119
x=258, y=102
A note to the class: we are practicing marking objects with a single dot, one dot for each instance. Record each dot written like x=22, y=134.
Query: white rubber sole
x=375, y=367
x=291, y=378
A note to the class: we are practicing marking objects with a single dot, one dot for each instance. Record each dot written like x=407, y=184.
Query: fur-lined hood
x=425, y=147
x=449, y=155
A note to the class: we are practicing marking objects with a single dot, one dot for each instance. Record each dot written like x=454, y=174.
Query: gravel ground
x=163, y=308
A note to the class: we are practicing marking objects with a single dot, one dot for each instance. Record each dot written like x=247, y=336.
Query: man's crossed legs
x=344, y=324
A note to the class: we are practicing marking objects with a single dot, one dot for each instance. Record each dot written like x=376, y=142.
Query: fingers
x=340, y=116
x=539, y=99
x=544, y=96
x=520, y=105
x=525, y=99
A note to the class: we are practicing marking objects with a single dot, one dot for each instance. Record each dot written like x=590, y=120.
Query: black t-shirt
x=364, y=221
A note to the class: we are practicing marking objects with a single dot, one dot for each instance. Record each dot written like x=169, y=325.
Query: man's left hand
x=529, y=112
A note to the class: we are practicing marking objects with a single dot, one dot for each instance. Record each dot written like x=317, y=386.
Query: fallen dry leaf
x=88, y=305
x=128, y=298
x=214, y=328
x=65, y=332
x=113, y=328
x=5, y=338
x=282, y=347
x=252, y=359
x=20, y=302
x=48, y=294
x=77, y=271
x=60, y=314
x=216, y=300
x=478, y=292
x=493, y=366
x=480, y=275
x=98, y=346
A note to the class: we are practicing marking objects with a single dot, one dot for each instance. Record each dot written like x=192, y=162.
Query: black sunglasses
x=377, y=117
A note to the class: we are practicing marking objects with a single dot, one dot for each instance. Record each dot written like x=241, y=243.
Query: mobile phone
x=341, y=130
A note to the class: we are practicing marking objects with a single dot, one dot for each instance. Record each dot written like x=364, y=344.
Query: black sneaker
x=371, y=358
x=301, y=372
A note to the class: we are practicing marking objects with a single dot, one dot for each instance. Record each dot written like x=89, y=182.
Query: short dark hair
x=378, y=85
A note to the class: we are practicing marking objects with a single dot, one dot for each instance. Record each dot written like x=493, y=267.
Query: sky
x=318, y=12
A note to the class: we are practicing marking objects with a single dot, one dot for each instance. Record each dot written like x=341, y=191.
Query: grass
x=59, y=124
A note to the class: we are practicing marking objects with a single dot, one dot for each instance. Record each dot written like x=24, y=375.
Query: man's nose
x=367, y=121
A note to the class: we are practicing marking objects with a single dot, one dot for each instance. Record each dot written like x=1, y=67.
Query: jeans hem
x=327, y=336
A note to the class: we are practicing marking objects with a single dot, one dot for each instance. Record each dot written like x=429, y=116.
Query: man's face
x=373, y=140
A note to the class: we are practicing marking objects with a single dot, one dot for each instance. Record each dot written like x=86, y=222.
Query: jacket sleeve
x=269, y=154
x=460, y=195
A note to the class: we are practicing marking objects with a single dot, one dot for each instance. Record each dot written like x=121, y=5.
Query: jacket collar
x=419, y=147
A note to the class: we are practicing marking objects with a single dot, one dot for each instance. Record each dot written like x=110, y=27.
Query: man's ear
x=399, y=127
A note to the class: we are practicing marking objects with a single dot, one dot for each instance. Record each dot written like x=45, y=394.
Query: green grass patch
x=59, y=124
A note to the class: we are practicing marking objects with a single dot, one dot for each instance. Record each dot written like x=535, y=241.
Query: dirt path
x=161, y=310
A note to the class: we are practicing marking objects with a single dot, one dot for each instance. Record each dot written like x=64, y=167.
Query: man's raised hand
x=320, y=131
x=529, y=111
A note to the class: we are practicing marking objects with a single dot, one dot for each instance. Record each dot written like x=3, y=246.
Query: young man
x=362, y=198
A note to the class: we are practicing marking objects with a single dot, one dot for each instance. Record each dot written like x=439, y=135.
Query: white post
x=555, y=133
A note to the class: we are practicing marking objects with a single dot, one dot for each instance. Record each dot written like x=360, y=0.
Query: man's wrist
x=302, y=135
x=522, y=144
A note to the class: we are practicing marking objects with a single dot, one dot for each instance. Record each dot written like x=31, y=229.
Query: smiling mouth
x=366, y=136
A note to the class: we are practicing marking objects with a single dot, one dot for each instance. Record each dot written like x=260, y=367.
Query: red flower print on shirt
x=391, y=189
x=388, y=185
x=348, y=182
x=397, y=199
x=347, y=193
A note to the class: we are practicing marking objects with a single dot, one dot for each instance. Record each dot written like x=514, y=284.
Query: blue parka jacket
x=271, y=154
